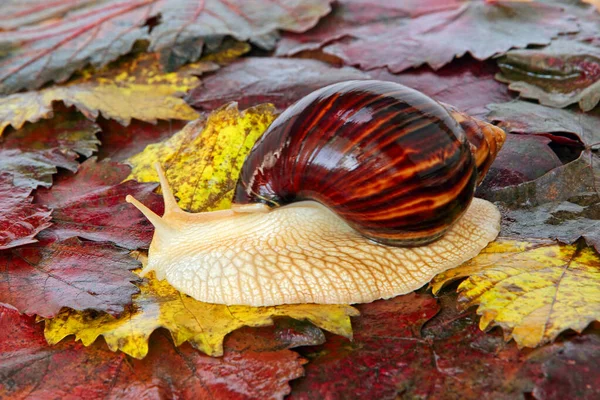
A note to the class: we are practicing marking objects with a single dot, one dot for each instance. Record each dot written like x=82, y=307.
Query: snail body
x=360, y=191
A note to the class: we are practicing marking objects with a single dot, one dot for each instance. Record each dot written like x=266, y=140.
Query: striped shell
x=396, y=165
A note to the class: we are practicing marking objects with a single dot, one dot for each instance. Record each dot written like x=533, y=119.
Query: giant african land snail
x=361, y=190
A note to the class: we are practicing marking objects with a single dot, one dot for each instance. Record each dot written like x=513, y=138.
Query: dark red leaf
x=481, y=28
x=466, y=84
x=20, y=220
x=43, y=278
x=253, y=367
x=523, y=158
x=565, y=126
x=91, y=204
x=252, y=81
x=121, y=142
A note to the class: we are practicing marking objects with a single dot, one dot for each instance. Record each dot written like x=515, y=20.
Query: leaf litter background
x=96, y=91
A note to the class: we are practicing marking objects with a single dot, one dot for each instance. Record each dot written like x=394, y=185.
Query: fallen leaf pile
x=94, y=92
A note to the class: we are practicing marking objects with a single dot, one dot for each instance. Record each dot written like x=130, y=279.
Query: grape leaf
x=480, y=28
x=534, y=290
x=529, y=118
x=563, y=73
x=42, y=278
x=255, y=80
x=253, y=366
x=466, y=84
x=348, y=15
x=20, y=220
x=204, y=325
x=91, y=204
x=33, y=169
x=18, y=13
x=203, y=160
x=99, y=34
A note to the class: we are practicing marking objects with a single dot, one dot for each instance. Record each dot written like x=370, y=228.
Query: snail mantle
x=362, y=190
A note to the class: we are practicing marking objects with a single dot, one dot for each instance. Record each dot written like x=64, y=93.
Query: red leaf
x=481, y=28
x=121, y=142
x=91, y=204
x=253, y=367
x=20, y=220
x=466, y=84
x=252, y=81
x=38, y=279
x=17, y=13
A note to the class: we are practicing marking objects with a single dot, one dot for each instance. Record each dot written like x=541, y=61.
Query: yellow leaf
x=202, y=161
x=204, y=325
x=533, y=290
x=135, y=87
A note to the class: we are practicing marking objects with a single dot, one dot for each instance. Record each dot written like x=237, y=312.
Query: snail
x=361, y=190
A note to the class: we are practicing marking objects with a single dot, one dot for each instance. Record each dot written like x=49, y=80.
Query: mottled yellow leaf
x=135, y=87
x=533, y=290
x=203, y=160
x=204, y=325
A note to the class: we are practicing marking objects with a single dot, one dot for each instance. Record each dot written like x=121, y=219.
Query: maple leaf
x=203, y=160
x=562, y=126
x=42, y=278
x=20, y=220
x=254, y=366
x=91, y=204
x=563, y=73
x=101, y=33
x=480, y=28
x=255, y=80
x=534, y=290
x=204, y=325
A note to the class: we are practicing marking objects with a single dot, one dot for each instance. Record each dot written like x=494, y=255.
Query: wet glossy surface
x=389, y=160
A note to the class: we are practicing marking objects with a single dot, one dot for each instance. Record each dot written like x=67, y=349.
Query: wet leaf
x=203, y=160
x=465, y=83
x=534, y=290
x=100, y=33
x=509, y=169
x=563, y=73
x=253, y=367
x=91, y=205
x=33, y=169
x=204, y=325
x=20, y=221
x=350, y=15
x=255, y=80
x=42, y=278
x=133, y=88
x=480, y=28
x=18, y=13
x=561, y=125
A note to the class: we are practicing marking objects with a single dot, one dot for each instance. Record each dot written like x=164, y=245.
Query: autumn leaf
x=99, y=34
x=534, y=290
x=91, y=205
x=254, y=366
x=563, y=73
x=20, y=220
x=562, y=126
x=255, y=80
x=42, y=278
x=509, y=169
x=203, y=160
x=466, y=84
x=204, y=325
x=481, y=28
x=17, y=13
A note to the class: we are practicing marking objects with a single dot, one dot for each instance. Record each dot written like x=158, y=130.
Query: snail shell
x=336, y=179
x=397, y=166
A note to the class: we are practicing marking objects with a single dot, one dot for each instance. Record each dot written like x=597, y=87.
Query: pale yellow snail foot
x=300, y=253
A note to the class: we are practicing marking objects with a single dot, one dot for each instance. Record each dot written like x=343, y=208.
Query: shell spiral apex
x=361, y=190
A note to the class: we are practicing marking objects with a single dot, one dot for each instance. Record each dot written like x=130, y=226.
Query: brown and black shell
x=395, y=164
